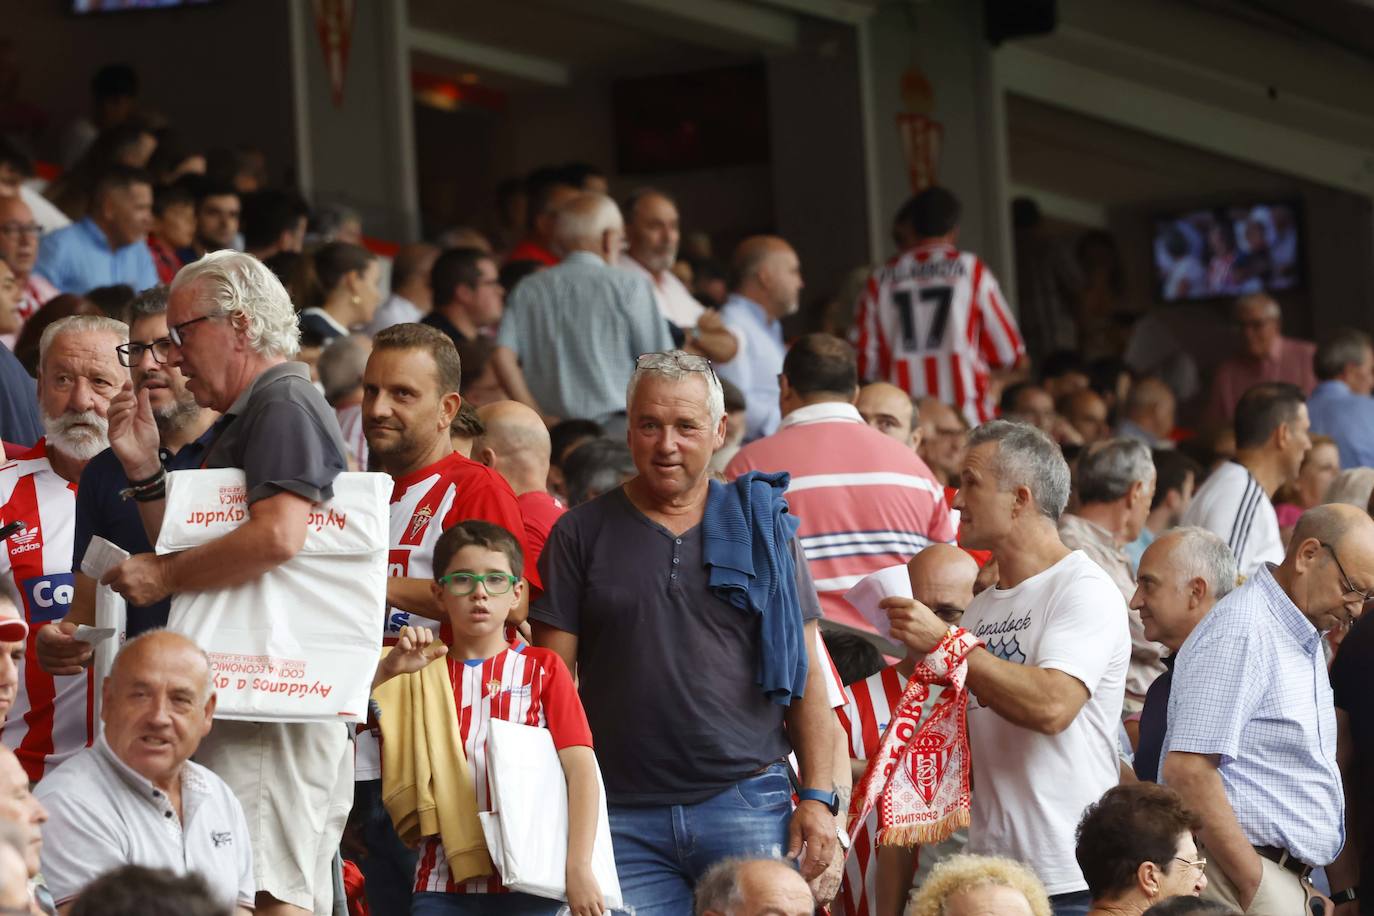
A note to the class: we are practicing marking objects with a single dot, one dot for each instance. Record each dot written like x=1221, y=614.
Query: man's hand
x=59, y=652
x=141, y=579
x=133, y=432
x=811, y=838
x=914, y=624
x=826, y=885
x=415, y=649
x=583, y=893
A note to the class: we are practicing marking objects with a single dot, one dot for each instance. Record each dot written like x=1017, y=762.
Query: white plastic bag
x=299, y=643
x=527, y=830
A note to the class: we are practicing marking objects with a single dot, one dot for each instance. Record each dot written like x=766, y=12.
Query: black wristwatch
x=830, y=799
x=1349, y=895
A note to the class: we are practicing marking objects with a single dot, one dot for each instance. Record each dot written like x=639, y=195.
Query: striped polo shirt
x=865, y=500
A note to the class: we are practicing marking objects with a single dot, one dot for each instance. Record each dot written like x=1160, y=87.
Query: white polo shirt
x=674, y=301
x=103, y=815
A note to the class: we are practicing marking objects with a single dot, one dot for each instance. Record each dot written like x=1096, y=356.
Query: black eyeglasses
x=174, y=332
x=131, y=354
x=1365, y=597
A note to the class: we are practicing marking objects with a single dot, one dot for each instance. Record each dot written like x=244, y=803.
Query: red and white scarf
x=919, y=778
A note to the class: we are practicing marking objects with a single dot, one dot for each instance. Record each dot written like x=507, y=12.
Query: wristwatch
x=1349, y=895
x=830, y=799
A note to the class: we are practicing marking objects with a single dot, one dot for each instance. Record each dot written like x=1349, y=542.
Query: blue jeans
x=1076, y=903
x=428, y=903
x=389, y=867
x=662, y=852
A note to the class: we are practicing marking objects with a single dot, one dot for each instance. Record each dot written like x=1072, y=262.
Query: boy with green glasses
x=477, y=568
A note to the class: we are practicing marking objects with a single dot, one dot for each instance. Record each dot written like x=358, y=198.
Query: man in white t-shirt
x=1234, y=503
x=1047, y=685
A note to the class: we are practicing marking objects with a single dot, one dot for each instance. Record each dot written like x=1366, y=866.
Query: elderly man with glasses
x=19, y=234
x=1251, y=740
x=101, y=509
x=233, y=333
x=690, y=616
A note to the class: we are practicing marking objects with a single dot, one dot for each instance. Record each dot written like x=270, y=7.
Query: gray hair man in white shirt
x=112, y=802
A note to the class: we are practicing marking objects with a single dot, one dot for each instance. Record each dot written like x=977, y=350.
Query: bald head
x=159, y=648
x=1329, y=568
x=515, y=444
x=942, y=577
x=889, y=410
x=766, y=269
x=1151, y=406
x=758, y=887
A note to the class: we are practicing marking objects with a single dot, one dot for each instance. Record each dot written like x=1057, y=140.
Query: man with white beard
x=78, y=374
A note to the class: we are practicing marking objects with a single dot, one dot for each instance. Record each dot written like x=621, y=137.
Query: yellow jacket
x=426, y=786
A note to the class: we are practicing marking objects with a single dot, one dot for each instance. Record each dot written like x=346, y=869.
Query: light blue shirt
x=577, y=328
x=756, y=366
x=1347, y=417
x=1136, y=549
x=78, y=258
x=1251, y=686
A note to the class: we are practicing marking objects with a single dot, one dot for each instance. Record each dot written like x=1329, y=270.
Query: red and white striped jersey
x=523, y=684
x=452, y=490
x=865, y=717
x=52, y=716
x=35, y=294
x=933, y=322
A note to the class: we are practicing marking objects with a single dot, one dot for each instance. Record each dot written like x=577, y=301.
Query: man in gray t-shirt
x=691, y=749
x=233, y=332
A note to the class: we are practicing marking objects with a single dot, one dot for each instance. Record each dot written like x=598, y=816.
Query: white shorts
x=295, y=782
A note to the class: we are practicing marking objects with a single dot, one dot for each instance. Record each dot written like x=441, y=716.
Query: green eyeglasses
x=461, y=584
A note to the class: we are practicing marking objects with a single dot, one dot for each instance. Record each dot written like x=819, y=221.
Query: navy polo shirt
x=1154, y=722
x=100, y=510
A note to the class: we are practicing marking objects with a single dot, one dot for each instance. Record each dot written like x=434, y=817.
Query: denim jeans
x=389, y=867
x=428, y=903
x=1075, y=903
x=661, y=852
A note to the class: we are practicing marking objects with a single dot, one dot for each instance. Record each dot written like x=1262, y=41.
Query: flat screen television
x=82, y=7
x=1229, y=250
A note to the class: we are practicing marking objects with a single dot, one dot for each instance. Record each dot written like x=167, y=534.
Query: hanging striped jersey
x=523, y=684
x=933, y=321
x=52, y=716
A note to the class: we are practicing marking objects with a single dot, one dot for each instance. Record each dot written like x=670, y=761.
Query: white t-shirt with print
x=1029, y=789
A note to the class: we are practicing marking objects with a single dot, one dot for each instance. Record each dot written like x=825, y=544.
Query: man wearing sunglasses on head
x=101, y=510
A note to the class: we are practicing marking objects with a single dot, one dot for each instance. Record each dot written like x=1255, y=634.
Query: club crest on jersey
x=419, y=522
x=493, y=687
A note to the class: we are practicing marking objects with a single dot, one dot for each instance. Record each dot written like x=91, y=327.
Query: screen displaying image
x=1228, y=251
x=109, y=6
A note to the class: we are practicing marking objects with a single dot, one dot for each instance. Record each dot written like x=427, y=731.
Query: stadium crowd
x=627, y=509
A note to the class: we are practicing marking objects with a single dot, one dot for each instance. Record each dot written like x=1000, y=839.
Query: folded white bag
x=527, y=828
x=300, y=642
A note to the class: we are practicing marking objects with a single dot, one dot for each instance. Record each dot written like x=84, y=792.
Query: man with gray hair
x=1048, y=682
x=753, y=887
x=571, y=333
x=1182, y=574
x=78, y=375
x=638, y=601
x=110, y=804
x=233, y=332
x=101, y=509
x=1116, y=484
x=1340, y=405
